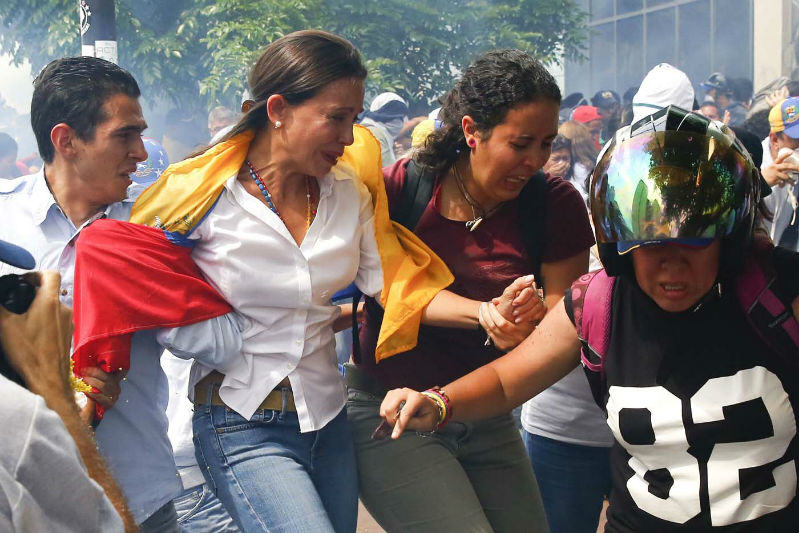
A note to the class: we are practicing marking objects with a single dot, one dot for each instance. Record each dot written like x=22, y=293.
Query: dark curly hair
x=494, y=84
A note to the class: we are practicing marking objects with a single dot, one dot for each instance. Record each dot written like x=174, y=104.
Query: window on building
x=732, y=26
x=693, y=43
x=626, y=6
x=794, y=51
x=603, y=42
x=630, y=53
x=601, y=9
x=628, y=37
x=660, y=37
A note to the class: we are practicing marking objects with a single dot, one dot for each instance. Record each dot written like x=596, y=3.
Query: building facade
x=753, y=39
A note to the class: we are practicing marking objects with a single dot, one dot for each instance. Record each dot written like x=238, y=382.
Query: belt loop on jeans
x=209, y=393
x=284, y=392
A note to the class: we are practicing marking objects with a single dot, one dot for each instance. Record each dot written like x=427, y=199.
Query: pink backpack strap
x=769, y=316
x=592, y=296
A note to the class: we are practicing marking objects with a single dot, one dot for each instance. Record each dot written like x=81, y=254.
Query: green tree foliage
x=199, y=51
x=416, y=48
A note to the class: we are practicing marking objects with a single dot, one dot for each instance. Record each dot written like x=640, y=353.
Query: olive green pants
x=472, y=477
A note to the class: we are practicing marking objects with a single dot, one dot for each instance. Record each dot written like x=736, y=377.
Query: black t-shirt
x=703, y=414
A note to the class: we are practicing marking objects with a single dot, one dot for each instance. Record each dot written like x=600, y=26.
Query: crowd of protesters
x=501, y=243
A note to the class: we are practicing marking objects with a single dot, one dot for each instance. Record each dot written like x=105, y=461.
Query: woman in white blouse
x=287, y=232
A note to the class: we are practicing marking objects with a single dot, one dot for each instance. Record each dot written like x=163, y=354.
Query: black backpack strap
x=417, y=189
x=356, y=341
x=532, y=217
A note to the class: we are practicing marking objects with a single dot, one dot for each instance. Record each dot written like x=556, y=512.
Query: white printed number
x=669, y=451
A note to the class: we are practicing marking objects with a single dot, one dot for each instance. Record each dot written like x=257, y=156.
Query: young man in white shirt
x=88, y=123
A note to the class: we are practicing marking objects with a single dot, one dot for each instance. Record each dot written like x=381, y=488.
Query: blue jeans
x=164, y=520
x=574, y=481
x=273, y=478
x=200, y=511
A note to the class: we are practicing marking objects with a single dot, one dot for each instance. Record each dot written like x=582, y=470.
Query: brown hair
x=583, y=148
x=297, y=66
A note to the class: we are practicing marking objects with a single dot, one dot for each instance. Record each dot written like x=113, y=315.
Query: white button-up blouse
x=281, y=292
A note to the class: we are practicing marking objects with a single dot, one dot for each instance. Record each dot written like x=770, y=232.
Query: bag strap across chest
x=768, y=315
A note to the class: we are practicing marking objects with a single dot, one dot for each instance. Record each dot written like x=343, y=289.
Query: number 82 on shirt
x=666, y=480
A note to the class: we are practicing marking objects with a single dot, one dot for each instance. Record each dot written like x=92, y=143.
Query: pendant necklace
x=256, y=177
x=311, y=212
x=473, y=224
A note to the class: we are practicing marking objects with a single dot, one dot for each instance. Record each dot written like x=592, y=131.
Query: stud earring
x=278, y=124
x=471, y=143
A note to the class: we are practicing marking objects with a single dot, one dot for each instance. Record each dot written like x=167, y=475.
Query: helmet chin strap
x=713, y=294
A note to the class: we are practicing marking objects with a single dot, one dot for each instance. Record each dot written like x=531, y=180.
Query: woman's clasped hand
x=509, y=318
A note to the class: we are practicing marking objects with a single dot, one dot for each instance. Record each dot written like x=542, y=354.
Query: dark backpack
x=417, y=190
x=770, y=318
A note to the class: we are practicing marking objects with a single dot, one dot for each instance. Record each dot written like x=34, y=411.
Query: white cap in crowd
x=663, y=86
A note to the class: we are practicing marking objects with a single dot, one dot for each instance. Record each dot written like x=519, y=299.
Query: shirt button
x=64, y=292
x=298, y=342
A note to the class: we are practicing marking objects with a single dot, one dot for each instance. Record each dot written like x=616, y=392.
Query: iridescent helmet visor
x=671, y=185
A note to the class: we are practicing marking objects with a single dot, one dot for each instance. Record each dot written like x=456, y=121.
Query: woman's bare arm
x=557, y=278
x=550, y=353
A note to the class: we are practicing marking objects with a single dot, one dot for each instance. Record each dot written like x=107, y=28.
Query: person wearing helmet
x=714, y=85
x=698, y=398
x=722, y=92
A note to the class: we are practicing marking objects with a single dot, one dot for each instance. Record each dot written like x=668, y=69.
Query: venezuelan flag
x=130, y=278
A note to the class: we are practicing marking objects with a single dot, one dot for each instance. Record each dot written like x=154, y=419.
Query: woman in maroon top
x=498, y=125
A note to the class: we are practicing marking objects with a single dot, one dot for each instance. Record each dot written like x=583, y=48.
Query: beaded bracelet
x=444, y=405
